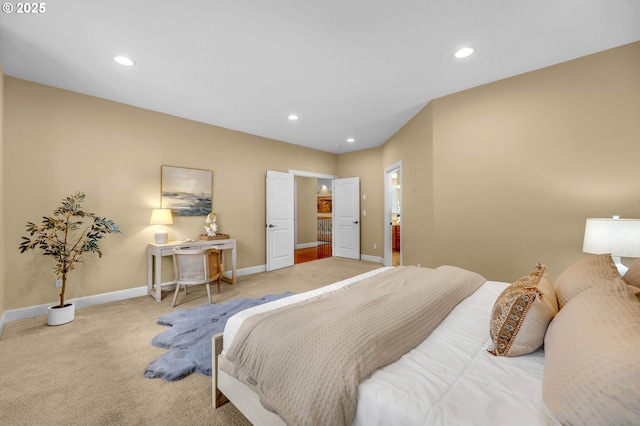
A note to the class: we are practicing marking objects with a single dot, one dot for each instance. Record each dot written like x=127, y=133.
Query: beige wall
x=306, y=209
x=502, y=176
x=413, y=145
x=495, y=178
x=57, y=142
x=521, y=163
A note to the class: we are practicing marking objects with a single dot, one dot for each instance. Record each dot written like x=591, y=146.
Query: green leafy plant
x=67, y=236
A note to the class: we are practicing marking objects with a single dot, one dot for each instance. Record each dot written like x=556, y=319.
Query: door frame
x=295, y=194
x=388, y=244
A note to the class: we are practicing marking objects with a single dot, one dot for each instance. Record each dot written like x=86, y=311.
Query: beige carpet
x=90, y=371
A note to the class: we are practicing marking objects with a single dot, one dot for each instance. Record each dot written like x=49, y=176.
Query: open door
x=280, y=220
x=346, y=218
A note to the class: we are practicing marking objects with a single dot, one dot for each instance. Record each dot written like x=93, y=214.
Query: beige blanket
x=306, y=360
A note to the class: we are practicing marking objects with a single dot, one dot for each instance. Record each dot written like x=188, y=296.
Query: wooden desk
x=155, y=252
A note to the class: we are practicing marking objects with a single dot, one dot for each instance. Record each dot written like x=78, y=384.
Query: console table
x=155, y=252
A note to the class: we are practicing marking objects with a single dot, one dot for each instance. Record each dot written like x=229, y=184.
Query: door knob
x=355, y=223
x=271, y=226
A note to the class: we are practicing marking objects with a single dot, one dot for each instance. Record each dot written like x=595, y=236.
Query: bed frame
x=243, y=397
x=218, y=398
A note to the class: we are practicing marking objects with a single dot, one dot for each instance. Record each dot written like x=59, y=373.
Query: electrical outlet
x=58, y=282
x=375, y=246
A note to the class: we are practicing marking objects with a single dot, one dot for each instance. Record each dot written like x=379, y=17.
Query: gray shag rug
x=189, y=339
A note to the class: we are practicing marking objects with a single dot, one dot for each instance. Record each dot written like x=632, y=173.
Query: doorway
x=278, y=202
x=312, y=248
x=393, y=210
x=313, y=218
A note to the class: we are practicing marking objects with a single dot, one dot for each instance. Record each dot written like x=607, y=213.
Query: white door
x=280, y=215
x=346, y=218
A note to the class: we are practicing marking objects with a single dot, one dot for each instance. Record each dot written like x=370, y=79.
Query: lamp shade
x=620, y=237
x=161, y=217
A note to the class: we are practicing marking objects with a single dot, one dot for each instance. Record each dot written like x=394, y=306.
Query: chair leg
x=175, y=294
x=208, y=293
x=219, y=278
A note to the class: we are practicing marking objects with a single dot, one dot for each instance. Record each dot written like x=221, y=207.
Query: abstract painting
x=187, y=192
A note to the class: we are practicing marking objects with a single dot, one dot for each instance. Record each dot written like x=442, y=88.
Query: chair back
x=196, y=266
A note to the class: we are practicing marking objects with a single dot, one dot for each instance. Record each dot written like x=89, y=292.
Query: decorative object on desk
x=161, y=217
x=67, y=236
x=187, y=192
x=620, y=237
x=204, y=237
x=210, y=225
x=189, y=339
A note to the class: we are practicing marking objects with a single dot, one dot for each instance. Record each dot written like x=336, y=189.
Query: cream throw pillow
x=632, y=276
x=592, y=363
x=583, y=274
x=522, y=313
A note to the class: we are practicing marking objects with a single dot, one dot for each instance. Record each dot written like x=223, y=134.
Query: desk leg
x=233, y=268
x=233, y=265
x=149, y=273
x=158, y=278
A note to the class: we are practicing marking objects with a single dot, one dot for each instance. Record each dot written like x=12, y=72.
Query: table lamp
x=620, y=237
x=161, y=217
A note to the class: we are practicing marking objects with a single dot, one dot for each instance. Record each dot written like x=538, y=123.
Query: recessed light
x=351, y=140
x=464, y=52
x=123, y=60
x=337, y=145
x=293, y=117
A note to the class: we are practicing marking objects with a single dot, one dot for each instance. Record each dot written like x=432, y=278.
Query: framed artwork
x=324, y=204
x=187, y=192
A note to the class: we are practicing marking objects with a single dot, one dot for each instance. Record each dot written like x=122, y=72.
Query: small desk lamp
x=620, y=237
x=161, y=217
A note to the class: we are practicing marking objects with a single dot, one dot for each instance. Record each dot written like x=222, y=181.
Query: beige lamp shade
x=620, y=237
x=161, y=217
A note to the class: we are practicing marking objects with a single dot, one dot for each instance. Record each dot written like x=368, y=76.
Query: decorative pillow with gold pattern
x=522, y=313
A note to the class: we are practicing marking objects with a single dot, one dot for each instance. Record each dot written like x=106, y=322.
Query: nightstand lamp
x=620, y=237
x=161, y=217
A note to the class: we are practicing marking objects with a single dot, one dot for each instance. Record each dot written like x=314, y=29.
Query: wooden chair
x=196, y=266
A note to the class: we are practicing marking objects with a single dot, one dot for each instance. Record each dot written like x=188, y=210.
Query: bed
x=454, y=376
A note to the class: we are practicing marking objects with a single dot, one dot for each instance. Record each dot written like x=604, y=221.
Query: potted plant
x=67, y=236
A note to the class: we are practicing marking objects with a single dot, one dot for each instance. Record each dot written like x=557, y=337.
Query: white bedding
x=449, y=379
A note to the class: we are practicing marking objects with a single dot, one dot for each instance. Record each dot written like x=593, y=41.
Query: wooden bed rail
x=218, y=398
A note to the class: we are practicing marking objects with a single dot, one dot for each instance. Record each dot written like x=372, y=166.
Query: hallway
x=312, y=253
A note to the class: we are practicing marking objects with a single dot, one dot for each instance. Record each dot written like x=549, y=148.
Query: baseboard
x=307, y=245
x=97, y=299
x=376, y=259
x=2, y=321
x=248, y=271
x=81, y=302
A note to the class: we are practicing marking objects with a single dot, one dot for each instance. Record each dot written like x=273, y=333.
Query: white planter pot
x=59, y=316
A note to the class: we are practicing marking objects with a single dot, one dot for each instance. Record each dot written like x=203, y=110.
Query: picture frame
x=186, y=191
x=324, y=204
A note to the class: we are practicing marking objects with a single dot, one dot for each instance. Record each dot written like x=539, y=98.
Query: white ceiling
x=348, y=68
